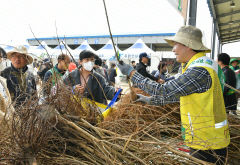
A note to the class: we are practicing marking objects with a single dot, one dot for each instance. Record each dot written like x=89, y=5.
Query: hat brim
x=28, y=57
x=172, y=40
x=147, y=57
x=238, y=61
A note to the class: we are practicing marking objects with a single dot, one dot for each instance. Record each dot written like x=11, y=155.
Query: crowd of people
x=204, y=100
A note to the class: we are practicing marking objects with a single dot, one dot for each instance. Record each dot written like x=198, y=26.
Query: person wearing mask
x=87, y=82
x=199, y=89
x=229, y=95
x=52, y=76
x=20, y=81
x=112, y=74
x=142, y=66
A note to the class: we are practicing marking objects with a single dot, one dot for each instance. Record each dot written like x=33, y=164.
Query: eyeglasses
x=21, y=56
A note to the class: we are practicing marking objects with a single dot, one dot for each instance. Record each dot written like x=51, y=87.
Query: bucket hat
x=234, y=59
x=189, y=36
x=22, y=50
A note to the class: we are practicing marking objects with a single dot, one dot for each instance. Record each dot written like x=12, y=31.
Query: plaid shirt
x=193, y=80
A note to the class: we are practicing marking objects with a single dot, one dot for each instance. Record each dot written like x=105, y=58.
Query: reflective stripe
x=190, y=122
x=220, y=125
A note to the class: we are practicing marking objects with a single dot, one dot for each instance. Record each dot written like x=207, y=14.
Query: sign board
x=181, y=6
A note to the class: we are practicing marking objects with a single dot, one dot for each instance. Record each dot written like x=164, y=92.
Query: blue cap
x=144, y=54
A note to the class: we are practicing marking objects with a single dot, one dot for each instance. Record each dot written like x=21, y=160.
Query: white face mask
x=88, y=65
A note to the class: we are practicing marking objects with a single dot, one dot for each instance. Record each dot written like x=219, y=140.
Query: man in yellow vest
x=200, y=91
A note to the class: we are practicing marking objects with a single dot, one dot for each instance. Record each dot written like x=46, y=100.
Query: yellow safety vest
x=203, y=115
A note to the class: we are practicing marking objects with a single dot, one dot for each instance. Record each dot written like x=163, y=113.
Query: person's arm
x=156, y=74
x=230, y=79
x=151, y=76
x=226, y=89
x=170, y=78
x=34, y=86
x=144, y=73
x=4, y=73
x=46, y=84
x=107, y=88
x=47, y=75
x=194, y=80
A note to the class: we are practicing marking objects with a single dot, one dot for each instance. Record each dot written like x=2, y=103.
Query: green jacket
x=54, y=73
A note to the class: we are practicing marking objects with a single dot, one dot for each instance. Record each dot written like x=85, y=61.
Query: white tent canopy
x=61, y=48
x=8, y=48
x=41, y=51
x=83, y=46
x=107, y=52
x=137, y=48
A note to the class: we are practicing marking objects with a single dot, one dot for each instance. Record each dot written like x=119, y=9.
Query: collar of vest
x=58, y=70
x=196, y=56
